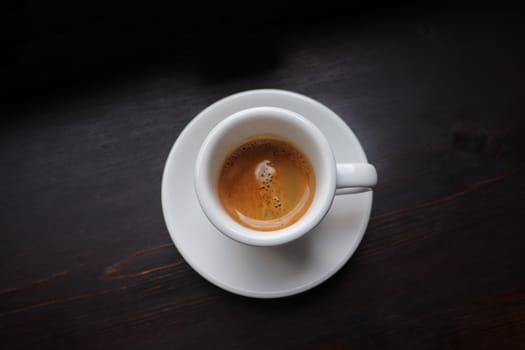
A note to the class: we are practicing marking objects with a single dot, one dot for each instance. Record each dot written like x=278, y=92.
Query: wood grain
x=435, y=97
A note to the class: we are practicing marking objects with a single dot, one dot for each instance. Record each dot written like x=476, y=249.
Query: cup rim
x=211, y=206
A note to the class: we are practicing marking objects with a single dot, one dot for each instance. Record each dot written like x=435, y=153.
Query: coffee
x=266, y=184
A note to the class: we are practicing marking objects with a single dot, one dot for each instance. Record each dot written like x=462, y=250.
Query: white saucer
x=262, y=272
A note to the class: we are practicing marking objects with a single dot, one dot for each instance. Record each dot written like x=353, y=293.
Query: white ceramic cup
x=331, y=178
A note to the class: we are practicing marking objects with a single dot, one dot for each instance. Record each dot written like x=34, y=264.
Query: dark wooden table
x=437, y=99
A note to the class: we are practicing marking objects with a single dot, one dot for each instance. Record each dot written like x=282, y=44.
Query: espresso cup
x=331, y=178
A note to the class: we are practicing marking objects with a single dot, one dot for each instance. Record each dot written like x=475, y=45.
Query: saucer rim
x=245, y=291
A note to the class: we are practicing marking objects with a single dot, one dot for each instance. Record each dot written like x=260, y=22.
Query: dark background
x=94, y=95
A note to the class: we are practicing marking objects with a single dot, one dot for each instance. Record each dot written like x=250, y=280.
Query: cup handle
x=355, y=178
